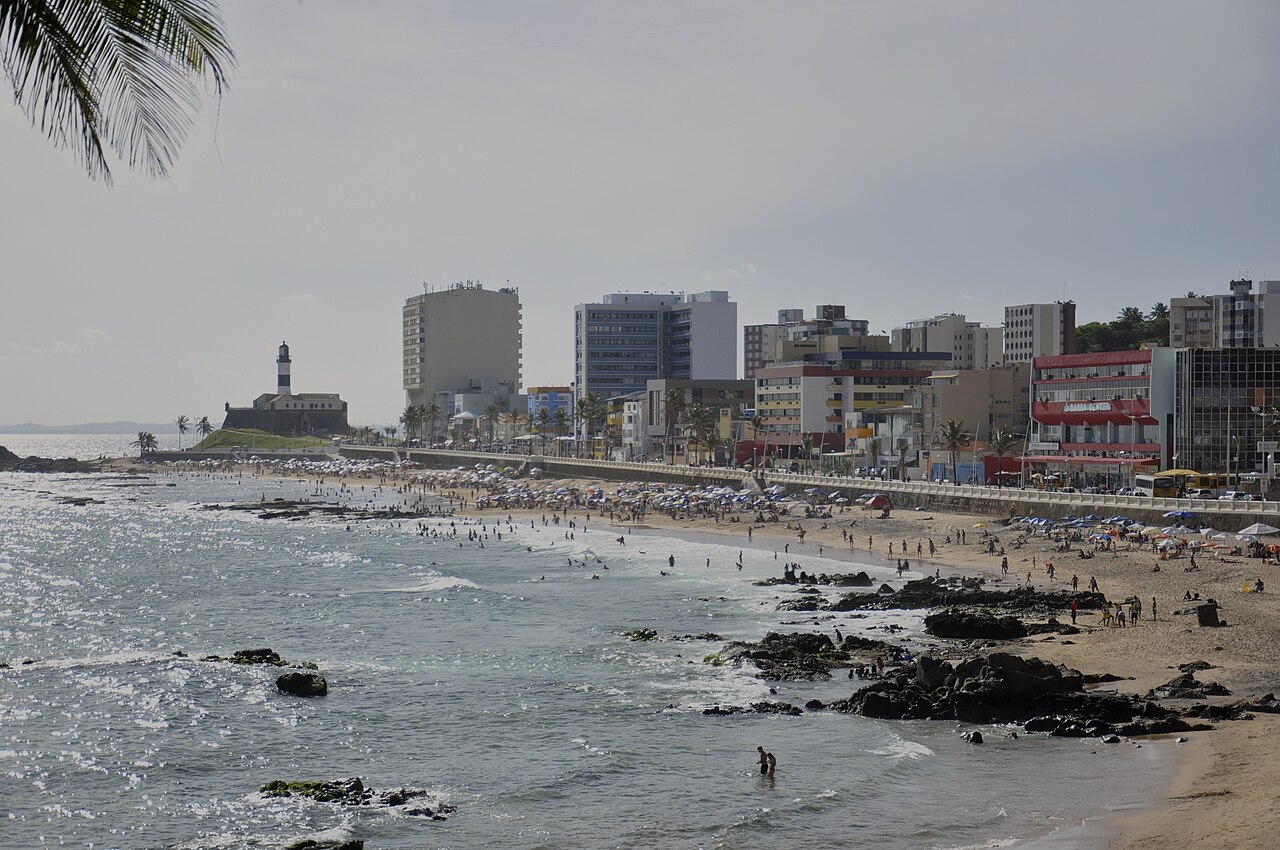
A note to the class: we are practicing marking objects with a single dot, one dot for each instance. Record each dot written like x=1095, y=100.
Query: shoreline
x=1220, y=779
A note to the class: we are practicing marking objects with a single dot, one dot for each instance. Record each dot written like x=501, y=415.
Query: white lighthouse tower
x=282, y=371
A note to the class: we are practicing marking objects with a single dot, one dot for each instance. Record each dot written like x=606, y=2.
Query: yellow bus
x=1157, y=484
x=1179, y=482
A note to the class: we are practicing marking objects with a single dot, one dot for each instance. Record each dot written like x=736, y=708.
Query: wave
x=904, y=749
x=431, y=585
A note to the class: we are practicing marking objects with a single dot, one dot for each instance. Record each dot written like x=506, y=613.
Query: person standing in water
x=773, y=763
x=764, y=760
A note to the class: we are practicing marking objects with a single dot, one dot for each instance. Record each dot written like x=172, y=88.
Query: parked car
x=1201, y=493
x=1239, y=496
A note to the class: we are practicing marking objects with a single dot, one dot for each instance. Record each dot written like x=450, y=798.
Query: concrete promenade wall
x=1225, y=516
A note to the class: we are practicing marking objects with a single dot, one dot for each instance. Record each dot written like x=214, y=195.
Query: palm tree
x=146, y=442
x=431, y=415
x=411, y=419
x=560, y=420
x=806, y=444
x=672, y=408
x=1002, y=443
x=184, y=425
x=491, y=414
x=698, y=422
x=589, y=410
x=204, y=427
x=390, y=431
x=117, y=74
x=544, y=424
x=953, y=436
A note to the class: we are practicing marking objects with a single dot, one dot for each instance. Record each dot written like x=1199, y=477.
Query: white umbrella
x=1260, y=528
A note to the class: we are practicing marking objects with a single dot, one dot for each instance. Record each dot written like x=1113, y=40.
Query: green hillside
x=228, y=438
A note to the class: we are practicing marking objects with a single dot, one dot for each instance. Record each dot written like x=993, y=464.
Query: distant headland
x=86, y=428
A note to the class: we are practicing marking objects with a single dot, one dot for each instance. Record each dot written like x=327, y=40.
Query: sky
x=902, y=158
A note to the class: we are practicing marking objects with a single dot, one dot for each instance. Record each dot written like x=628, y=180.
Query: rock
x=1099, y=678
x=265, y=655
x=352, y=792
x=1194, y=666
x=974, y=737
x=1187, y=687
x=787, y=656
x=1042, y=724
x=957, y=623
x=303, y=684
x=767, y=707
x=701, y=636
x=10, y=462
x=349, y=792
x=312, y=844
x=931, y=593
x=1111, y=739
x=814, y=705
x=930, y=672
x=640, y=634
x=885, y=590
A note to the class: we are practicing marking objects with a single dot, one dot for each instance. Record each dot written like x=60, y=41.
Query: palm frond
x=121, y=73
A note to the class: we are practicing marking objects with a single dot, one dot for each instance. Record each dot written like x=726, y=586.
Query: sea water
x=497, y=677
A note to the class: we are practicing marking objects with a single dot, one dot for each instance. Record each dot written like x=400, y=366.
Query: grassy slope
x=230, y=437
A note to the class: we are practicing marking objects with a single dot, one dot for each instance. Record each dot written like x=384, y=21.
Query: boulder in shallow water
x=303, y=684
x=640, y=634
x=312, y=844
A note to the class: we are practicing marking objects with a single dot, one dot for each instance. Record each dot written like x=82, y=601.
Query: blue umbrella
x=1181, y=514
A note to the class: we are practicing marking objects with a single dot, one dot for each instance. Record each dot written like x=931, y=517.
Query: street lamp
x=1133, y=444
x=1268, y=458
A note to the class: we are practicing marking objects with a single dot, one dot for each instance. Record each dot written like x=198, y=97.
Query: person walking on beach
x=1093, y=584
x=764, y=760
x=1153, y=608
x=1074, y=608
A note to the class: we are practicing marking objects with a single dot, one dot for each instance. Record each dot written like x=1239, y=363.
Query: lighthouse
x=282, y=371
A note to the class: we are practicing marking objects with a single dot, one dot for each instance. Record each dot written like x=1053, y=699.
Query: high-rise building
x=462, y=345
x=628, y=339
x=793, y=336
x=1226, y=401
x=1230, y=320
x=1039, y=330
x=972, y=346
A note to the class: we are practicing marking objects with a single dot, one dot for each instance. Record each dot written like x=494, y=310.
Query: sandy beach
x=1220, y=797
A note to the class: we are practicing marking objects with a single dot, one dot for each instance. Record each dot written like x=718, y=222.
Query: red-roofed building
x=1104, y=413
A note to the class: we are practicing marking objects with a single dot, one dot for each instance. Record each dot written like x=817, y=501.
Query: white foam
x=904, y=749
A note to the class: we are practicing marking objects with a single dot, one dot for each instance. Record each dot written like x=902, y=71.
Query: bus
x=1178, y=482
x=1153, y=485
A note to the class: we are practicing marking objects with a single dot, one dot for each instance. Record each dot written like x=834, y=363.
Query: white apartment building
x=971, y=345
x=462, y=344
x=1232, y=320
x=1039, y=330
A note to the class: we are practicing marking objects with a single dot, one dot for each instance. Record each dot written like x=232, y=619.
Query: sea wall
x=1225, y=516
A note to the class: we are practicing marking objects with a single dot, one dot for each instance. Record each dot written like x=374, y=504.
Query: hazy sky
x=902, y=158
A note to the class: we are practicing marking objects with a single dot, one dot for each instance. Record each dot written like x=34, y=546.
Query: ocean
x=499, y=678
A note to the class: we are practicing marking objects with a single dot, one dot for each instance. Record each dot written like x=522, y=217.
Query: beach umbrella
x=1181, y=514
x=1252, y=538
x=1261, y=529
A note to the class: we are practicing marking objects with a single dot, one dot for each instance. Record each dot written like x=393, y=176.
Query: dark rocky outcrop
x=764, y=707
x=699, y=636
x=303, y=684
x=958, y=623
x=10, y=462
x=798, y=655
x=265, y=655
x=1003, y=688
x=312, y=844
x=934, y=593
x=858, y=579
x=640, y=634
x=352, y=792
x=1187, y=686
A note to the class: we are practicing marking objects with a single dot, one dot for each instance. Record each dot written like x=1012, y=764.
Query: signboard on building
x=1042, y=446
x=1269, y=446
